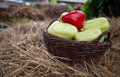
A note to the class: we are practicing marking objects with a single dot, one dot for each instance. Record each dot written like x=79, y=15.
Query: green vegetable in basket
x=88, y=35
x=63, y=30
x=102, y=39
x=97, y=23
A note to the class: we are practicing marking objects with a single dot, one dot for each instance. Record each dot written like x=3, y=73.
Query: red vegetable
x=75, y=18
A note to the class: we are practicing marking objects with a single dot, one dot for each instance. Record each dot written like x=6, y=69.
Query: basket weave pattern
x=77, y=51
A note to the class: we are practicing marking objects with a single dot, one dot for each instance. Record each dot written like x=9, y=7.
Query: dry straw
x=23, y=54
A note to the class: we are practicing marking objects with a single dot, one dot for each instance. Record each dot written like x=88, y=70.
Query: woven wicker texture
x=77, y=51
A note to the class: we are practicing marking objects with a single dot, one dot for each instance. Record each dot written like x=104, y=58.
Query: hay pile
x=16, y=13
x=36, y=12
x=27, y=12
x=23, y=54
x=52, y=10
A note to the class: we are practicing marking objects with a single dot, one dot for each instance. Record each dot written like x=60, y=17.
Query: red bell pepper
x=75, y=18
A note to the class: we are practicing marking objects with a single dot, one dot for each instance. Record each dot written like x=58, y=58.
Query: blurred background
x=24, y=10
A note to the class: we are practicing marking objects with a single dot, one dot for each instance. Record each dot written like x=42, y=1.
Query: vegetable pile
x=74, y=26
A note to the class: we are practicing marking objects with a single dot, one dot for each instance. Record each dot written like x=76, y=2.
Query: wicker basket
x=77, y=51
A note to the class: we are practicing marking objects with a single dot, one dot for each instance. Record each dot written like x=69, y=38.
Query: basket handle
x=52, y=22
x=105, y=37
